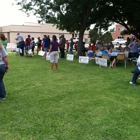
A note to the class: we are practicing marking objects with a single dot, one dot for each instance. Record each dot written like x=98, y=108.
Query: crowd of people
x=51, y=47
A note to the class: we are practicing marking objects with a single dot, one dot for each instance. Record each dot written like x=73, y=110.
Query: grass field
x=78, y=102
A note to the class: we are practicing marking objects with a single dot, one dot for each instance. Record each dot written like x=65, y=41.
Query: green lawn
x=78, y=102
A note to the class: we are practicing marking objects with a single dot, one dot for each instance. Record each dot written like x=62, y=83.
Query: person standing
x=84, y=50
x=128, y=41
x=32, y=45
x=62, y=43
x=27, y=42
x=49, y=40
x=111, y=45
x=53, y=52
x=4, y=67
x=45, y=45
x=3, y=40
x=38, y=45
x=134, y=52
x=71, y=46
x=67, y=45
x=21, y=43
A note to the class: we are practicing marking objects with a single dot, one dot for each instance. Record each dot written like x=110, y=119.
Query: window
x=120, y=37
x=120, y=29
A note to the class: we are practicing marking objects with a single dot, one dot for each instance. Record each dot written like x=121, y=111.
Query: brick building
x=117, y=33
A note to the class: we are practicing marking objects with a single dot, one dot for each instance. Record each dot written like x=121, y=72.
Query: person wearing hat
x=20, y=44
x=62, y=43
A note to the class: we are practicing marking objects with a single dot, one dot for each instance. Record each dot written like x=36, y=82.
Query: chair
x=91, y=56
x=106, y=56
x=126, y=54
x=121, y=57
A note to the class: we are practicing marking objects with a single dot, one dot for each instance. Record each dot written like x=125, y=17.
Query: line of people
x=29, y=43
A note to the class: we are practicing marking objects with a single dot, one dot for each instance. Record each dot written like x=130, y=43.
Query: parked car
x=119, y=41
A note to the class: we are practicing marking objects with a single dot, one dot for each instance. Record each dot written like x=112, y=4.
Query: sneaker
x=132, y=71
x=3, y=98
x=131, y=83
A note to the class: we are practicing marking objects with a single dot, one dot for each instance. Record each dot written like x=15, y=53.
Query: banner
x=70, y=57
x=84, y=59
x=101, y=61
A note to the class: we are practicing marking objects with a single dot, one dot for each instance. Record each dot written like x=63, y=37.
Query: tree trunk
x=80, y=43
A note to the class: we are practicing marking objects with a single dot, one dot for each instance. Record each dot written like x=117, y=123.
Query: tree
x=71, y=15
x=123, y=12
x=95, y=34
x=74, y=15
x=107, y=37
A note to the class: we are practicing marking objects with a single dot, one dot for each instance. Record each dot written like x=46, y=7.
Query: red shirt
x=28, y=40
x=93, y=48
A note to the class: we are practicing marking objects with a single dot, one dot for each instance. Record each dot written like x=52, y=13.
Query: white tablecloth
x=110, y=54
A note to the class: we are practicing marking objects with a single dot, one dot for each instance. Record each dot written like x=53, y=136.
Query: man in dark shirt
x=62, y=43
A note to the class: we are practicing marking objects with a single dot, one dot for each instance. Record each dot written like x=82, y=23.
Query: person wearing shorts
x=53, y=52
x=45, y=45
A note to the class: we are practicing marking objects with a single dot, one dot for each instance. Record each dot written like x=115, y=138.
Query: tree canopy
x=95, y=34
x=77, y=16
x=72, y=15
x=123, y=12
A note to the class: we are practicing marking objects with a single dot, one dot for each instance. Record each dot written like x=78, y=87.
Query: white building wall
x=34, y=30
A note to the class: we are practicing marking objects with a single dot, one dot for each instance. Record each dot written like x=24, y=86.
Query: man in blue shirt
x=46, y=45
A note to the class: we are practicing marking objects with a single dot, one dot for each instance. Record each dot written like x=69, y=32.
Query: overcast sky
x=10, y=14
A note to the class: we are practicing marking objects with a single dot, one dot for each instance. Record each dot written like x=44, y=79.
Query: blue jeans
x=71, y=49
x=2, y=87
x=135, y=75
